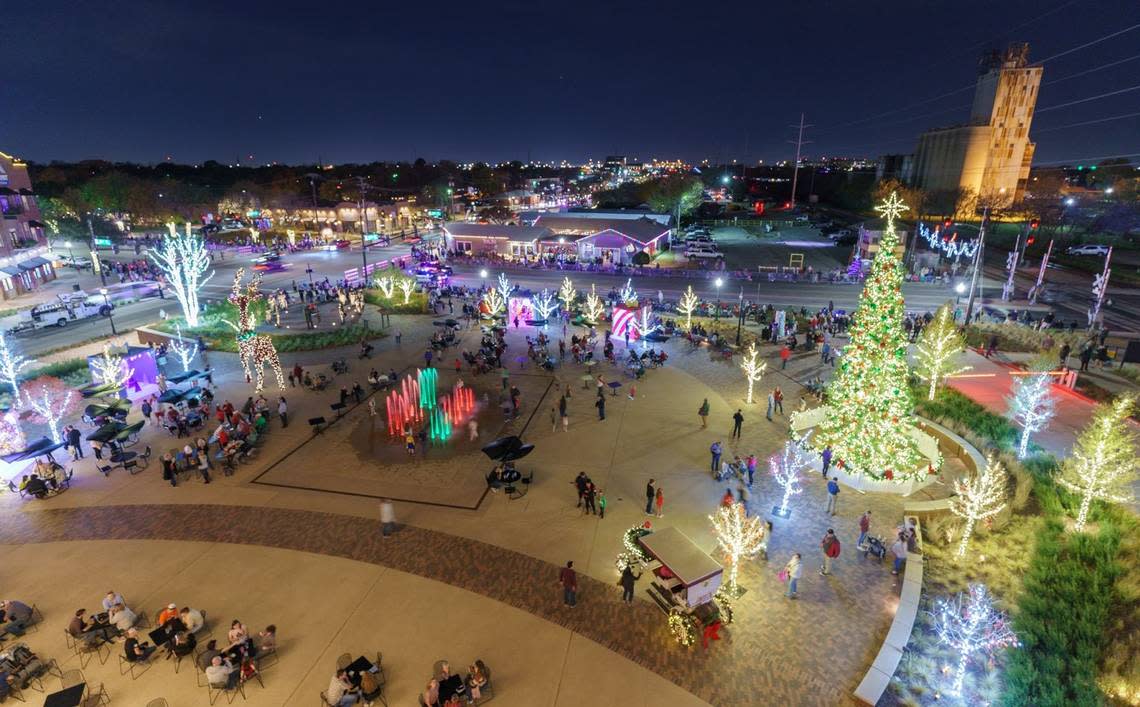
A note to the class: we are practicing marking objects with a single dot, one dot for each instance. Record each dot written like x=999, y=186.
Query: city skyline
x=270, y=83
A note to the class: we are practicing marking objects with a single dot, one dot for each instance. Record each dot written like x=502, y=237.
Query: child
x=410, y=443
x=601, y=504
x=632, y=391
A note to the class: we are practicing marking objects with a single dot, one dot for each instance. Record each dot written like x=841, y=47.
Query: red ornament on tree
x=889, y=475
x=839, y=463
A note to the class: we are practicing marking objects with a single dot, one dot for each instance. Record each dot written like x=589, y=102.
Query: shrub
x=641, y=258
x=418, y=304
x=1016, y=338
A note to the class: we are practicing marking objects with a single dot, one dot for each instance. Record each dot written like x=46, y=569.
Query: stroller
x=874, y=546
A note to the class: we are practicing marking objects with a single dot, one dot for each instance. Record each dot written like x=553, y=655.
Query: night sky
x=361, y=81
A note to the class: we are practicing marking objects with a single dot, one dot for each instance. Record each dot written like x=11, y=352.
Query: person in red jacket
x=785, y=354
x=830, y=547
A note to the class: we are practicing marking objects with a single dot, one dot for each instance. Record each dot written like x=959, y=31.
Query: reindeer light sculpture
x=254, y=349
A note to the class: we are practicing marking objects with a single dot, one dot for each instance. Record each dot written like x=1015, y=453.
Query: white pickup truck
x=65, y=309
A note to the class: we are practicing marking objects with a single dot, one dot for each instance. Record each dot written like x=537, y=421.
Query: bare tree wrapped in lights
x=110, y=370
x=255, y=350
x=688, y=305
x=627, y=293
x=544, y=304
x=1031, y=405
x=185, y=351
x=387, y=285
x=11, y=363
x=939, y=346
x=183, y=259
x=494, y=302
x=50, y=400
x=753, y=369
x=971, y=626
x=595, y=309
x=1103, y=460
x=407, y=286
x=11, y=436
x=505, y=287
x=785, y=468
x=739, y=536
x=645, y=323
x=979, y=496
x=567, y=294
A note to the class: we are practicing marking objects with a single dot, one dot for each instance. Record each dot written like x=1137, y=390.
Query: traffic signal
x=947, y=223
x=1034, y=223
x=1031, y=239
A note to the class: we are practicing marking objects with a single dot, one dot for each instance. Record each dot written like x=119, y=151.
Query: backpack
x=832, y=550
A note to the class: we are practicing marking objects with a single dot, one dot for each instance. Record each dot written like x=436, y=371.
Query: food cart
x=684, y=575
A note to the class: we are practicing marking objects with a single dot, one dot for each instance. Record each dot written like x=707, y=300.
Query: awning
x=32, y=263
x=8, y=270
x=27, y=192
x=35, y=224
x=6, y=191
x=106, y=433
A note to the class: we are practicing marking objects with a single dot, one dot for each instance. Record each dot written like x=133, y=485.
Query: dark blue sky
x=361, y=81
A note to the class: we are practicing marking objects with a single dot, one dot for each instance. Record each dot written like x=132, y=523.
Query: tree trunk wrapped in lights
x=739, y=536
x=1031, y=405
x=185, y=351
x=971, y=627
x=979, y=496
x=50, y=400
x=1103, y=460
x=688, y=305
x=753, y=368
x=494, y=302
x=505, y=287
x=595, y=309
x=627, y=294
x=939, y=346
x=11, y=363
x=183, y=259
x=255, y=350
x=387, y=285
x=869, y=405
x=11, y=436
x=110, y=370
x=544, y=304
x=407, y=287
x=567, y=294
x=785, y=468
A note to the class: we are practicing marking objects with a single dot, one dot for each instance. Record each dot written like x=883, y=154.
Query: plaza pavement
x=813, y=651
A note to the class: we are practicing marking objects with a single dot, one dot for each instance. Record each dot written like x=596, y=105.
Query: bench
x=942, y=504
x=338, y=408
x=316, y=423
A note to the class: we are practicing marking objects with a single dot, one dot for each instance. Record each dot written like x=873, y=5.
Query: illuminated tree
x=407, y=286
x=645, y=324
x=595, y=309
x=688, y=305
x=183, y=259
x=1031, y=405
x=627, y=293
x=939, y=346
x=869, y=405
x=11, y=363
x=1103, y=460
x=11, y=436
x=494, y=302
x=753, y=369
x=567, y=294
x=979, y=496
x=387, y=285
x=111, y=370
x=739, y=536
x=971, y=627
x=185, y=351
x=544, y=303
x=785, y=468
x=505, y=287
x=50, y=400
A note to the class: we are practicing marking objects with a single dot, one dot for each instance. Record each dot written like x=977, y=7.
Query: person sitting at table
x=134, y=651
x=167, y=614
x=192, y=619
x=340, y=691
x=121, y=617
x=476, y=679
x=88, y=631
x=111, y=598
x=267, y=640
x=206, y=657
x=183, y=644
x=221, y=675
x=453, y=701
x=430, y=696
x=16, y=617
x=495, y=479
x=36, y=487
x=370, y=687
x=239, y=638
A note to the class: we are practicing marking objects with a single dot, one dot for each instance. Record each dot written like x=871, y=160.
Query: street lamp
x=110, y=318
x=740, y=315
x=959, y=289
x=482, y=279
x=718, y=282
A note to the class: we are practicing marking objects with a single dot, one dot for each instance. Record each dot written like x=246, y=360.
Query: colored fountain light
x=415, y=402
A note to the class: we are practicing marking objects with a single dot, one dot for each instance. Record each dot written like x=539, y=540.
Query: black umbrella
x=129, y=430
x=41, y=446
x=171, y=396
x=184, y=376
x=451, y=322
x=106, y=433
x=90, y=391
x=516, y=454
x=501, y=447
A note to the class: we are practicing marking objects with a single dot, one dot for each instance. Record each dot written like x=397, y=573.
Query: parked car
x=698, y=251
x=1088, y=249
x=77, y=263
x=702, y=238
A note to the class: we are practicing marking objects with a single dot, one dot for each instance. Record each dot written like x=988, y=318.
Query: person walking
x=589, y=496
x=771, y=405
x=830, y=547
x=703, y=413
x=1063, y=354
x=283, y=411
x=553, y=419
x=832, y=494
x=737, y=422
x=75, y=440
x=1086, y=356
x=601, y=504
x=715, y=449
x=785, y=354
x=387, y=517
x=864, y=528
x=581, y=482
x=600, y=404
x=627, y=581
x=568, y=578
x=399, y=336
x=659, y=500
x=778, y=399
x=562, y=414
x=991, y=347
x=147, y=409
x=751, y=466
x=898, y=549
x=650, y=495
x=793, y=571
x=826, y=456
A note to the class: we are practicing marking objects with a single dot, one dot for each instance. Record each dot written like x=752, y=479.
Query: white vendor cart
x=684, y=576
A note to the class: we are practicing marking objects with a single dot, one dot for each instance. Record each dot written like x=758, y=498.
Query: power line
x=1093, y=42
x=1089, y=71
x=1089, y=159
x=1087, y=122
x=1086, y=100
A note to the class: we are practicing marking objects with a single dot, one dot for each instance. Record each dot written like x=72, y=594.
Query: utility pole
x=799, y=147
x=977, y=262
x=95, y=254
x=363, y=228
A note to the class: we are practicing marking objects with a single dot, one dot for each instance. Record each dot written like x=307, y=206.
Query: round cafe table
x=586, y=381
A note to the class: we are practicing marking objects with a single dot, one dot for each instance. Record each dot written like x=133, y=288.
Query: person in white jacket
x=795, y=570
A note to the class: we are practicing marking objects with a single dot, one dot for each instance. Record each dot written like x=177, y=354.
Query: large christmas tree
x=869, y=404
